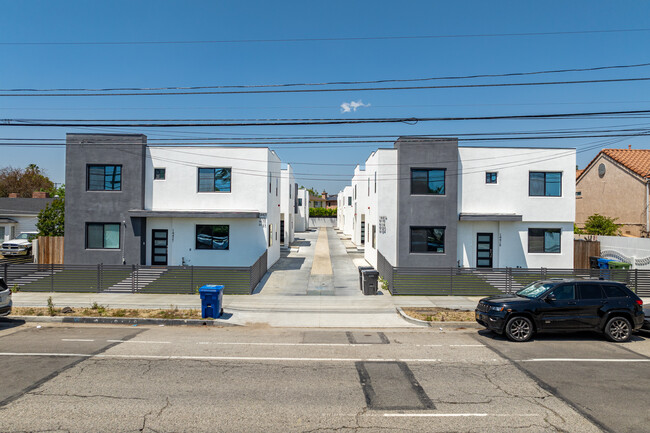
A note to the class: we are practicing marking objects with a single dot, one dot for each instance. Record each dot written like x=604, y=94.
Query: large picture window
x=214, y=179
x=428, y=181
x=101, y=236
x=212, y=237
x=544, y=240
x=545, y=184
x=427, y=239
x=104, y=178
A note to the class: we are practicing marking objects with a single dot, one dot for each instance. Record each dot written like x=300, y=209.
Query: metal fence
x=488, y=281
x=32, y=277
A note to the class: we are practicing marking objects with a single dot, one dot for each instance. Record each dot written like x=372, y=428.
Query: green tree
x=312, y=191
x=51, y=220
x=577, y=230
x=23, y=181
x=601, y=225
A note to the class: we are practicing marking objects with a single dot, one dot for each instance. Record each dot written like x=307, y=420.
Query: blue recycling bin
x=604, y=263
x=211, y=301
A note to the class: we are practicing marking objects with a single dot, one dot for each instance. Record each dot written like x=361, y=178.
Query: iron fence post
x=99, y=278
x=636, y=280
x=6, y=271
x=192, y=279
x=133, y=277
x=52, y=277
x=543, y=273
x=451, y=281
x=508, y=280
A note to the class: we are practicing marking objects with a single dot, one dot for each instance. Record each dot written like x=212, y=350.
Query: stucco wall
x=288, y=201
x=618, y=194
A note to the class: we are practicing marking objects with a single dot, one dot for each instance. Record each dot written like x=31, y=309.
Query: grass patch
x=436, y=314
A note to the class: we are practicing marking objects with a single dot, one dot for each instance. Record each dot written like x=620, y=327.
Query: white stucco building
x=288, y=206
x=302, y=216
x=345, y=209
x=429, y=203
x=212, y=206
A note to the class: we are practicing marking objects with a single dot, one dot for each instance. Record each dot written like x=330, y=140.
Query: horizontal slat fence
x=486, y=281
x=32, y=277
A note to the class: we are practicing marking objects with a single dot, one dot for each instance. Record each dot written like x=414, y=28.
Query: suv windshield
x=534, y=290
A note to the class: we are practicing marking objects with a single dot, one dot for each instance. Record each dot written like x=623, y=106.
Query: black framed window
x=545, y=184
x=427, y=181
x=212, y=237
x=104, y=177
x=374, y=237
x=299, y=201
x=159, y=173
x=427, y=239
x=350, y=201
x=214, y=179
x=100, y=236
x=544, y=240
x=490, y=177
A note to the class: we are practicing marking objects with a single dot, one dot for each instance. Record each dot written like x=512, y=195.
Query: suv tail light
x=639, y=302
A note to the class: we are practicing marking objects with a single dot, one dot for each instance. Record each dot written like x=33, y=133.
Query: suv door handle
x=572, y=303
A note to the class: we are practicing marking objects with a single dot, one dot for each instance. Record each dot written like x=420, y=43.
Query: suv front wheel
x=618, y=329
x=519, y=329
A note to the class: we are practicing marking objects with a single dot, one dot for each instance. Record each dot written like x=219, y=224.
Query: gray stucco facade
x=427, y=210
x=83, y=206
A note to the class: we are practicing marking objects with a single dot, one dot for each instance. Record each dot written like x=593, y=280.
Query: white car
x=5, y=299
x=21, y=246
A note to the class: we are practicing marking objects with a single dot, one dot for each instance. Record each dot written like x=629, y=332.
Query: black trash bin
x=370, y=280
x=593, y=262
x=3, y=285
x=361, y=269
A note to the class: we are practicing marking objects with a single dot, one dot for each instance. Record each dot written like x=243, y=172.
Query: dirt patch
x=101, y=311
x=437, y=314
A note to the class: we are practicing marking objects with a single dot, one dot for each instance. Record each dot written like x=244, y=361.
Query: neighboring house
x=615, y=184
x=324, y=200
x=302, y=217
x=429, y=203
x=288, y=206
x=131, y=203
x=19, y=215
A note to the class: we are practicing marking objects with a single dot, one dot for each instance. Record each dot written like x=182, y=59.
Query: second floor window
x=104, y=178
x=214, y=179
x=428, y=181
x=545, y=184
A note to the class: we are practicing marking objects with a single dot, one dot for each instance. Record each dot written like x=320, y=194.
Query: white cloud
x=346, y=107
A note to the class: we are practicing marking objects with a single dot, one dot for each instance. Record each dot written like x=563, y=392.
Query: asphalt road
x=164, y=379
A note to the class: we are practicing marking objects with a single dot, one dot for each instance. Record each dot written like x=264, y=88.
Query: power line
x=335, y=83
x=342, y=39
x=295, y=122
x=357, y=89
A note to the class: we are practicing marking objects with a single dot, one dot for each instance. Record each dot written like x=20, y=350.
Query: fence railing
x=486, y=281
x=32, y=277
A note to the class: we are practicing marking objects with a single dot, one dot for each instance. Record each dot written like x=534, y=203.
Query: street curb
x=123, y=321
x=433, y=324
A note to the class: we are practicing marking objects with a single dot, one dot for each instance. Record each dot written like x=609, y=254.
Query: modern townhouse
x=302, y=216
x=288, y=206
x=360, y=184
x=131, y=203
x=345, y=208
x=429, y=203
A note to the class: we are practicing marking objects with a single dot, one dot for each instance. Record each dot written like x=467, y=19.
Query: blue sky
x=94, y=66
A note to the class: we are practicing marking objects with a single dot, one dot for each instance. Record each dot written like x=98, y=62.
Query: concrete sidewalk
x=274, y=310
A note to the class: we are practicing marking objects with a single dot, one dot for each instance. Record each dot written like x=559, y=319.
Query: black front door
x=484, y=250
x=159, y=247
x=282, y=232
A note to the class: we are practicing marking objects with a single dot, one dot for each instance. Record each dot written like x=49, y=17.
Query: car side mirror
x=550, y=298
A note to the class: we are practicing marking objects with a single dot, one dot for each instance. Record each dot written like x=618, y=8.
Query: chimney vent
x=40, y=194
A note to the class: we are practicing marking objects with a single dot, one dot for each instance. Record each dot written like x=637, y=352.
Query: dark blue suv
x=560, y=305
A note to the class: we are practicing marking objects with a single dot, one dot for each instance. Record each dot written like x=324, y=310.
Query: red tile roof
x=579, y=172
x=637, y=160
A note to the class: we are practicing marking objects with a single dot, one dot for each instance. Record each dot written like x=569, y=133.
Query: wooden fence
x=50, y=250
x=582, y=250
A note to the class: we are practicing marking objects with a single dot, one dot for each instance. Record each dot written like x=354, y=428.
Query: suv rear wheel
x=618, y=329
x=519, y=329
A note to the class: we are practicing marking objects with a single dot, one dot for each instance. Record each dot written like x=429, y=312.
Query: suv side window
x=612, y=291
x=590, y=291
x=565, y=292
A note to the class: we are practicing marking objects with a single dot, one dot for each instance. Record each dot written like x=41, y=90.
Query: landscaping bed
x=96, y=310
x=438, y=314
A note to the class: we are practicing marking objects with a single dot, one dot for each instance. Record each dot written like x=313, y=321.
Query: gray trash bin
x=361, y=269
x=370, y=280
